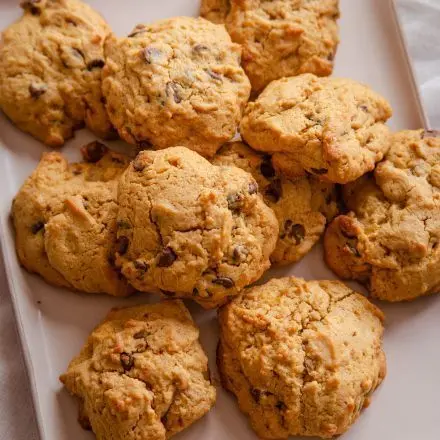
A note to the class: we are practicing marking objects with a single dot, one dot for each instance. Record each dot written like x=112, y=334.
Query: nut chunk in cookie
x=50, y=70
x=332, y=128
x=142, y=374
x=176, y=82
x=302, y=206
x=190, y=228
x=280, y=37
x=302, y=357
x=390, y=238
x=65, y=221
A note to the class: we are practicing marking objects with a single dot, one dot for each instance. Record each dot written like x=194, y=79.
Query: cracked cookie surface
x=176, y=82
x=302, y=358
x=190, y=228
x=302, y=207
x=65, y=220
x=390, y=238
x=142, y=374
x=279, y=37
x=332, y=128
x=50, y=70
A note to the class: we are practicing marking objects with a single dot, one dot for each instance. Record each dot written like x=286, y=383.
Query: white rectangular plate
x=53, y=323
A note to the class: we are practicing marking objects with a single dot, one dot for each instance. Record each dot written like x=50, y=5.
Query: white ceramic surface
x=53, y=323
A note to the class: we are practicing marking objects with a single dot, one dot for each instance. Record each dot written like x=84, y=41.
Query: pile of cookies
x=201, y=215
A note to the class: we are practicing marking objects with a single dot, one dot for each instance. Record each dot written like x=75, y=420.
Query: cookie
x=302, y=207
x=176, y=82
x=50, y=70
x=390, y=238
x=65, y=221
x=303, y=358
x=142, y=374
x=192, y=229
x=215, y=11
x=333, y=128
x=280, y=38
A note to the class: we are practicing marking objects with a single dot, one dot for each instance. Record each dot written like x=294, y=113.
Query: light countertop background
x=421, y=25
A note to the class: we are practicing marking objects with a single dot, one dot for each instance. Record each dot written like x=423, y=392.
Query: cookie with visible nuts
x=176, y=82
x=142, y=374
x=50, y=70
x=65, y=221
x=332, y=128
x=302, y=357
x=390, y=238
x=279, y=37
x=192, y=229
x=302, y=206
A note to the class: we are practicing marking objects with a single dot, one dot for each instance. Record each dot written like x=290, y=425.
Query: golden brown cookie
x=330, y=127
x=65, y=221
x=176, y=82
x=302, y=206
x=302, y=357
x=50, y=70
x=280, y=37
x=390, y=238
x=142, y=374
x=190, y=228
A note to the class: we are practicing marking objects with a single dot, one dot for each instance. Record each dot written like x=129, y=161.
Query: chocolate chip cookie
x=50, y=70
x=280, y=37
x=192, y=229
x=303, y=358
x=330, y=127
x=176, y=82
x=142, y=374
x=302, y=207
x=390, y=238
x=65, y=221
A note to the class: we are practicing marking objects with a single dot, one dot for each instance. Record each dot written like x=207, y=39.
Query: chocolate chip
x=77, y=53
x=142, y=334
x=297, y=232
x=266, y=168
x=94, y=151
x=37, y=89
x=214, y=75
x=152, y=55
x=281, y=406
x=103, y=100
x=122, y=244
x=139, y=29
x=253, y=188
x=319, y=171
x=195, y=291
x=173, y=90
x=331, y=56
x=111, y=259
x=30, y=5
x=240, y=253
x=166, y=258
x=235, y=201
x=274, y=191
x=122, y=224
x=141, y=266
x=127, y=361
x=430, y=134
x=256, y=394
x=353, y=249
x=37, y=227
x=226, y=282
x=199, y=48
x=95, y=64
x=138, y=165
x=364, y=108
x=144, y=145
